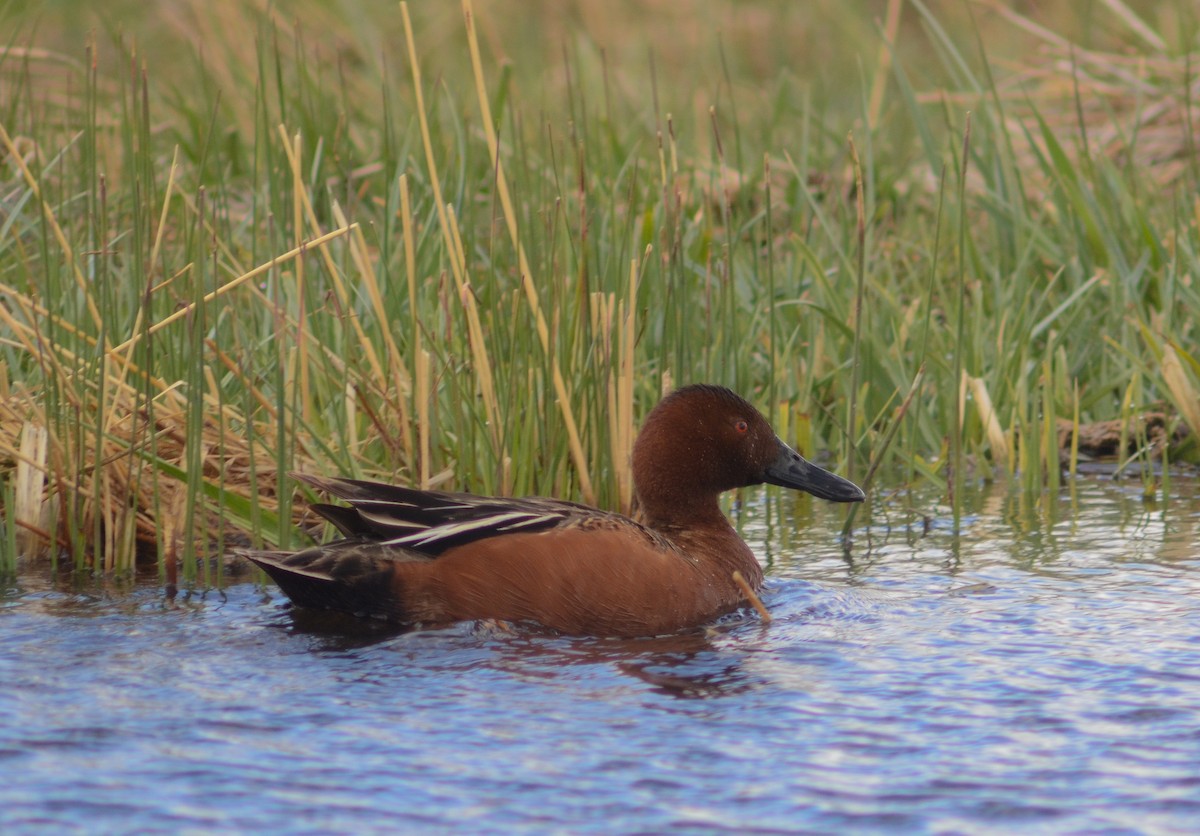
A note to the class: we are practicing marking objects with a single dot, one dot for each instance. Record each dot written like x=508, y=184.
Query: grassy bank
x=470, y=250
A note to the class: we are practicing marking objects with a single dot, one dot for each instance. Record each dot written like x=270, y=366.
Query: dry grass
x=1137, y=110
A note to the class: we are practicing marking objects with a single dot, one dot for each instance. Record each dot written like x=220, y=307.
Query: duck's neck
x=700, y=528
x=684, y=513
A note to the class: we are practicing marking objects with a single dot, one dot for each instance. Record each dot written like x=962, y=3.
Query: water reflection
x=334, y=632
x=690, y=665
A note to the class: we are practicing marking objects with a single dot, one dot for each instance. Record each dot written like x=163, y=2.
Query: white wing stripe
x=498, y=522
x=388, y=520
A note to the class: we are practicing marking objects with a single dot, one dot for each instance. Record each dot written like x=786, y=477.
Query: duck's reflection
x=693, y=678
x=336, y=632
x=695, y=664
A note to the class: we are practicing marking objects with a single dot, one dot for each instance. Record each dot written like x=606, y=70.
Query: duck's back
x=432, y=558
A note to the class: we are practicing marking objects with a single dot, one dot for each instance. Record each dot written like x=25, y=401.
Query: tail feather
x=353, y=578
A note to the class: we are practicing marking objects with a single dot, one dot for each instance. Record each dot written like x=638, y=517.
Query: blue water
x=1042, y=675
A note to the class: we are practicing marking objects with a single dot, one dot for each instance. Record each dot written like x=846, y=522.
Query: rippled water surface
x=1043, y=674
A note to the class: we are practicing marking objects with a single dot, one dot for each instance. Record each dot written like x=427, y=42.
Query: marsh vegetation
x=469, y=248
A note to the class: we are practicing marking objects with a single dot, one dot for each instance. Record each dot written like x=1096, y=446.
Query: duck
x=427, y=558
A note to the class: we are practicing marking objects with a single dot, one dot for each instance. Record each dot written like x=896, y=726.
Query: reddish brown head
x=701, y=440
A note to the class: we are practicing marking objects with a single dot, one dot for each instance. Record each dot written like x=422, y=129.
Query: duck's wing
x=430, y=522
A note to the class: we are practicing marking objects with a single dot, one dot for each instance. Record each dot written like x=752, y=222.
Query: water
x=1043, y=676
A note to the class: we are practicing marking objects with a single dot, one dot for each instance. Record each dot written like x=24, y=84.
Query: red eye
x=741, y=426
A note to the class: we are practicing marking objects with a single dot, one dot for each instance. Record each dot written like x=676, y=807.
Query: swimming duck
x=432, y=558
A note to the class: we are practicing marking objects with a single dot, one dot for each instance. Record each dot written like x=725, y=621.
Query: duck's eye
x=741, y=426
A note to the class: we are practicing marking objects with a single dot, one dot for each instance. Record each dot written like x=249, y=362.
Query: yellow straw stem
x=63, y=244
x=751, y=596
x=233, y=284
x=454, y=248
x=531, y=294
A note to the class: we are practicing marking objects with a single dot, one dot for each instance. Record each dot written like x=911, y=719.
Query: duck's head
x=701, y=440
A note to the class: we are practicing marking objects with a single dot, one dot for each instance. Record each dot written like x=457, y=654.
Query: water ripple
x=1042, y=673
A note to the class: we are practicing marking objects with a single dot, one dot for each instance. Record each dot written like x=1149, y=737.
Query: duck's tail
x=352, y=578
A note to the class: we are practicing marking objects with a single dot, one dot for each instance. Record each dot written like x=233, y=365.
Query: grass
x=442, y=248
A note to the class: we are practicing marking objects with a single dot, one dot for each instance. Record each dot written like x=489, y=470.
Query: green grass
x=460, y=252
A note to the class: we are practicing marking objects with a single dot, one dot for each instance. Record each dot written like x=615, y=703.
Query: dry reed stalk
x=1074, y=449
x=300, y=366
x=996, y=436
x=624, y=465
x=125, y=364
x=396, y=367
x=601, y=309
x=30, y=482
x=1183, y=391
x=60, y=237
x=883, y=65
x=531, y=295
x=232, y=284
x=421, y=358
x=751, y=596
x=453, y=244
x=118, y=476
x=30, y=338
x=116, y=496
x=422, y=397
x=303, y=201
x=479, y=353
